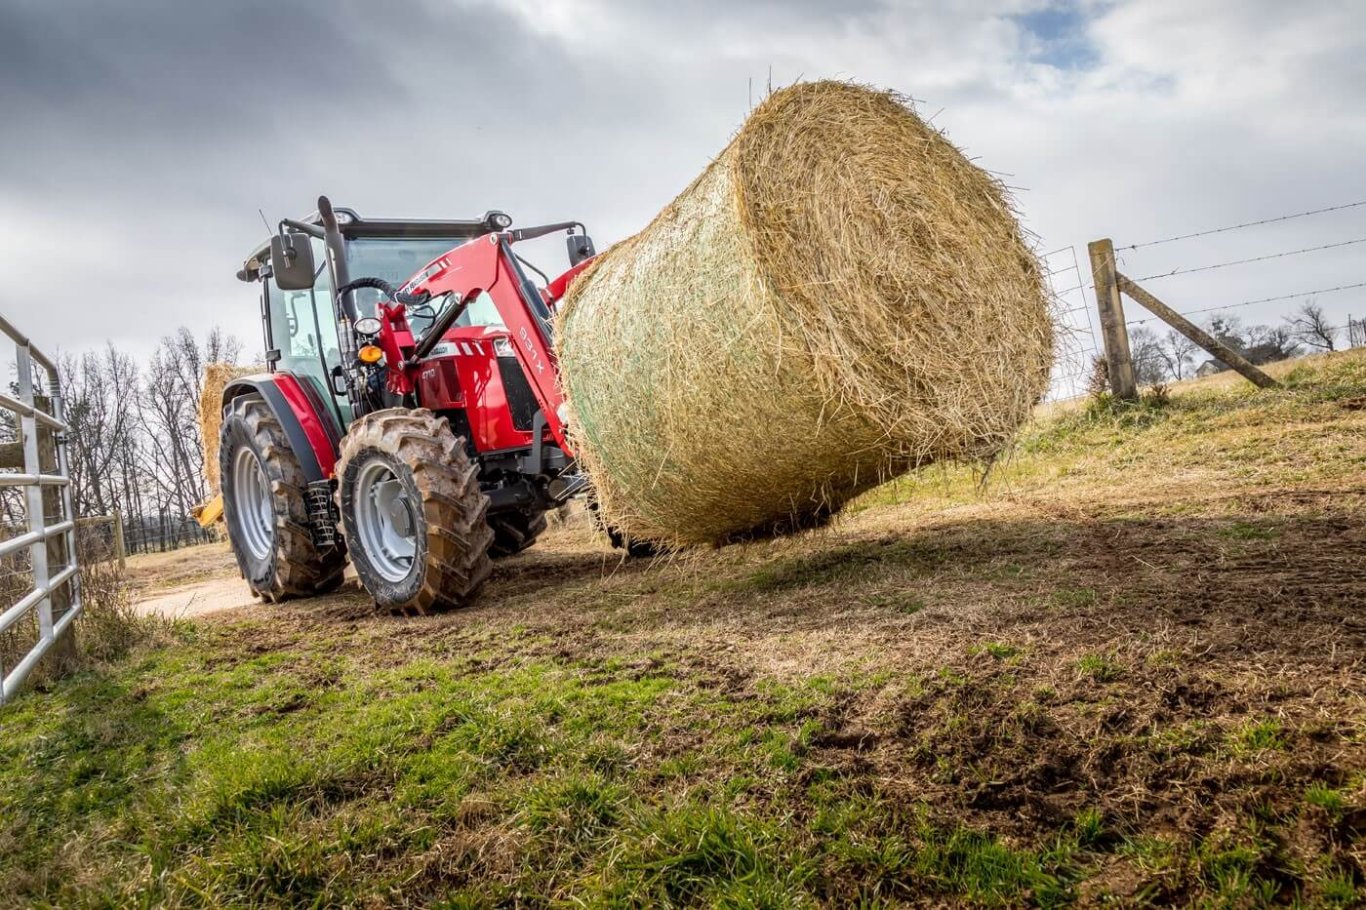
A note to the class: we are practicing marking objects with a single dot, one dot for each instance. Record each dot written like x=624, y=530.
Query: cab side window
x=304, y=328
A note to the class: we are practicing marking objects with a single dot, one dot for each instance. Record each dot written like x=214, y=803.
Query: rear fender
x=310, y=427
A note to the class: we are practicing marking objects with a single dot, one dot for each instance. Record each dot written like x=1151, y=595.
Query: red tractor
x=412, y=404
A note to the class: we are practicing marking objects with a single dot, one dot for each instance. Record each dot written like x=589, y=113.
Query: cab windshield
x=394, y=261
x=482, y=311
x=303, y=323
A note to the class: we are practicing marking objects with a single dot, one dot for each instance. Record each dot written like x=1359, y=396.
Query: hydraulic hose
x=379, y=284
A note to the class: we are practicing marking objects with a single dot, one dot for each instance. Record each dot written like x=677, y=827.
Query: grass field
x=1128, y=670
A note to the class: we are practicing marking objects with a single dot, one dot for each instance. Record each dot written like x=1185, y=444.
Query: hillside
x=1128, y=668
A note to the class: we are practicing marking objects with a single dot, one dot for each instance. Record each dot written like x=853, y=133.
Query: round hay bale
x=840, y=297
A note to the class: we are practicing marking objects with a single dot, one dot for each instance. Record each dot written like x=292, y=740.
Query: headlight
x=503, y=347
x=368, y=326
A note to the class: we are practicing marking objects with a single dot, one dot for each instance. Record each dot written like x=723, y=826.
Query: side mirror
x=580, y=248
x=291, y=261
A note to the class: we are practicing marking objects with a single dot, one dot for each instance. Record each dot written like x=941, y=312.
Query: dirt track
x=187, y=583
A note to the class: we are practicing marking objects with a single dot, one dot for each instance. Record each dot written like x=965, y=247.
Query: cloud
x=141, y=138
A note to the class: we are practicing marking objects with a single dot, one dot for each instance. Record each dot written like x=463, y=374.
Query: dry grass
x=108, y=629
x=840, y=296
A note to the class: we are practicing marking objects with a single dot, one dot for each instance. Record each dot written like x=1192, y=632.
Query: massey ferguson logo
x=437, y=266
x=531, y=349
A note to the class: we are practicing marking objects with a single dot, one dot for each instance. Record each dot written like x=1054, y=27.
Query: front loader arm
x=487, y=265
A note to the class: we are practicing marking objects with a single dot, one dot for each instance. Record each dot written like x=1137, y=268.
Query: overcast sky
x=139, y=139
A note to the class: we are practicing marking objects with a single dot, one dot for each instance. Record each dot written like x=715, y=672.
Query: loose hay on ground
x=840, y=297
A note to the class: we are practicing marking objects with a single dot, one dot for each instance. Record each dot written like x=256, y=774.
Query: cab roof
x=354, y=227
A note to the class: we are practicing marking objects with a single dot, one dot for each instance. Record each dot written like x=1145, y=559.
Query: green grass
x=1339, y=889
x=997, y=649
x=273, y=795
x=1101, y=668
x=898, y=601
x=1257, y=736
x=1327, y=798
x=1089, y=827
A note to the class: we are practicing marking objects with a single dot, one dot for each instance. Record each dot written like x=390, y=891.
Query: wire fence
x=1076, y=344
x=1312, y=293
x=1302, y=295
x=1245, y=224
x=163, y=531
x=106, y=534
x=1332, y=324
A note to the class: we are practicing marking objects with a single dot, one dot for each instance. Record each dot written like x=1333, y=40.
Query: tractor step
x=322, y=513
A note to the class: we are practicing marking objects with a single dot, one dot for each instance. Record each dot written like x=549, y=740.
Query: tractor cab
x=302, y=325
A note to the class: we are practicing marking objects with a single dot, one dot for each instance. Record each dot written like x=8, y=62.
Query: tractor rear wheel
x=265, y=508
x=412, y=512
x=514, y=531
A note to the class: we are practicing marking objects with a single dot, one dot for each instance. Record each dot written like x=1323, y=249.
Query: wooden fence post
x=1192, y=331
x=1118, y=360
x=119, y=551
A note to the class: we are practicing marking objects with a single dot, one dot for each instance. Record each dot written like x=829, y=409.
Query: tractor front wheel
x=412, y=512
x=266, y=511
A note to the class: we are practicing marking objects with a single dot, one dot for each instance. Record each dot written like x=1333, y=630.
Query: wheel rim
x=254, y=504
x=386, y=522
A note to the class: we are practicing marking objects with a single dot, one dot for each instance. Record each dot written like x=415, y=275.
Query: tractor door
x=303, y=329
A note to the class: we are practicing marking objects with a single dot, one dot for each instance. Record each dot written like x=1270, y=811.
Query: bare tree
x=1145, y=350
x=1230, y=331
x=12, y=508
x=1259, y=343
x=98, y=387
x=168, y=408
x=1269, y=343
x=1178, y=354
x=1310, y=326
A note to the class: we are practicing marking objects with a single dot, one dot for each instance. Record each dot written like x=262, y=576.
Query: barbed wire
x=1223, y=265
x=1234, y=306
x=1246, y=224
x=1345, y=328
x=1075, y=287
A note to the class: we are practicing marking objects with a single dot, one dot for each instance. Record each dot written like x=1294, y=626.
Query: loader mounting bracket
x=322, y=513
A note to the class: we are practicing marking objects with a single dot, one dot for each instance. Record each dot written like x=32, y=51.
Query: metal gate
x=37, y=412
